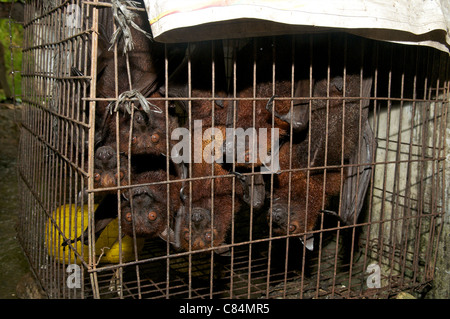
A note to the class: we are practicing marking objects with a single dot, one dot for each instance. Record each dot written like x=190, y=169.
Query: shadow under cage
x=290, y=166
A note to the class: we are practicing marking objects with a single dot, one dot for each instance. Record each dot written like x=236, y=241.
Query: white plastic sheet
x=421, y=22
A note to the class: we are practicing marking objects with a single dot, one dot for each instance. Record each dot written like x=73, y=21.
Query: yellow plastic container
x=106, y=246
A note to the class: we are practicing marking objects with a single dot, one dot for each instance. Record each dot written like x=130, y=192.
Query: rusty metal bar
x=91, y=141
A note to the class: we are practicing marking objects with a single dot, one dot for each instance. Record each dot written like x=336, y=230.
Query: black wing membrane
x=358, y=178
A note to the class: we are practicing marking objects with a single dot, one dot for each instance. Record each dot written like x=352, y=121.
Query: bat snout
x=199, y=214
x=105, y=155
x=141, y=191
x=279, y=213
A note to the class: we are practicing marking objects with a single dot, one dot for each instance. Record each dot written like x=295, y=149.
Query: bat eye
x=152, y=216
x=208, y=236
x=134, y=140
x=292, y=228
x=155, y=138
x=118, y=175
x=128, y=216
x=97, y=177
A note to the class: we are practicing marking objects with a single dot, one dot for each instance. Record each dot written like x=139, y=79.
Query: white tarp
x=422, y=22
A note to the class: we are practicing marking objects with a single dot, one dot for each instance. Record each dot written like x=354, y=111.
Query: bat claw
x=220, y=103
x=269, y=104
x=183, y=196
x=238, y=175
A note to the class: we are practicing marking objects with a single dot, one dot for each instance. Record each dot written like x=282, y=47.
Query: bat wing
x=258, y=196
x=358, y=177
x=298, y=116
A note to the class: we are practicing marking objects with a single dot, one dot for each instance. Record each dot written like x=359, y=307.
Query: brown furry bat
x=309, y=196
x=335, y=130
x=207, y=228
x=106, y=172
x=145, y=207
x=148, y=132
x=206, y=203
x=146, y=65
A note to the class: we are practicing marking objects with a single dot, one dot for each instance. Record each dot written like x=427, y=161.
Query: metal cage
x=374, y=235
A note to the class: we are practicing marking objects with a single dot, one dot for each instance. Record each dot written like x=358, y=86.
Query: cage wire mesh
x=346, y=202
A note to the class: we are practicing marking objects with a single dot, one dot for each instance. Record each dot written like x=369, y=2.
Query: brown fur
x=146, y=60
x=148, y=131
x=327, y=145
x=146, y=69
x=253, y=114
x=149, y=203
x=203, y=209
x=309, y=195
x=206, y=225
x=106, y=172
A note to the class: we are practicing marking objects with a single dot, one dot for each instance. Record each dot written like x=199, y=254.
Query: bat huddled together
x=315, y=119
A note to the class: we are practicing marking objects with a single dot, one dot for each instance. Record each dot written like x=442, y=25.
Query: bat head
x=297, y=221
x=201, y=232
x=147, y=209
x=148, y=133
x=205, y=230
x=105, y=168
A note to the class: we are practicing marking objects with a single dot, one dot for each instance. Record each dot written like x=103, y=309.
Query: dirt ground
x=13, y=264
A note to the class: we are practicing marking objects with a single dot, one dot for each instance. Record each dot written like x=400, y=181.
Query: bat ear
x=223, y=251
x=309, y=243
x=259, y=190
x=168, y=235
x=269, y=166
x=338, y=83
x=176, y=90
